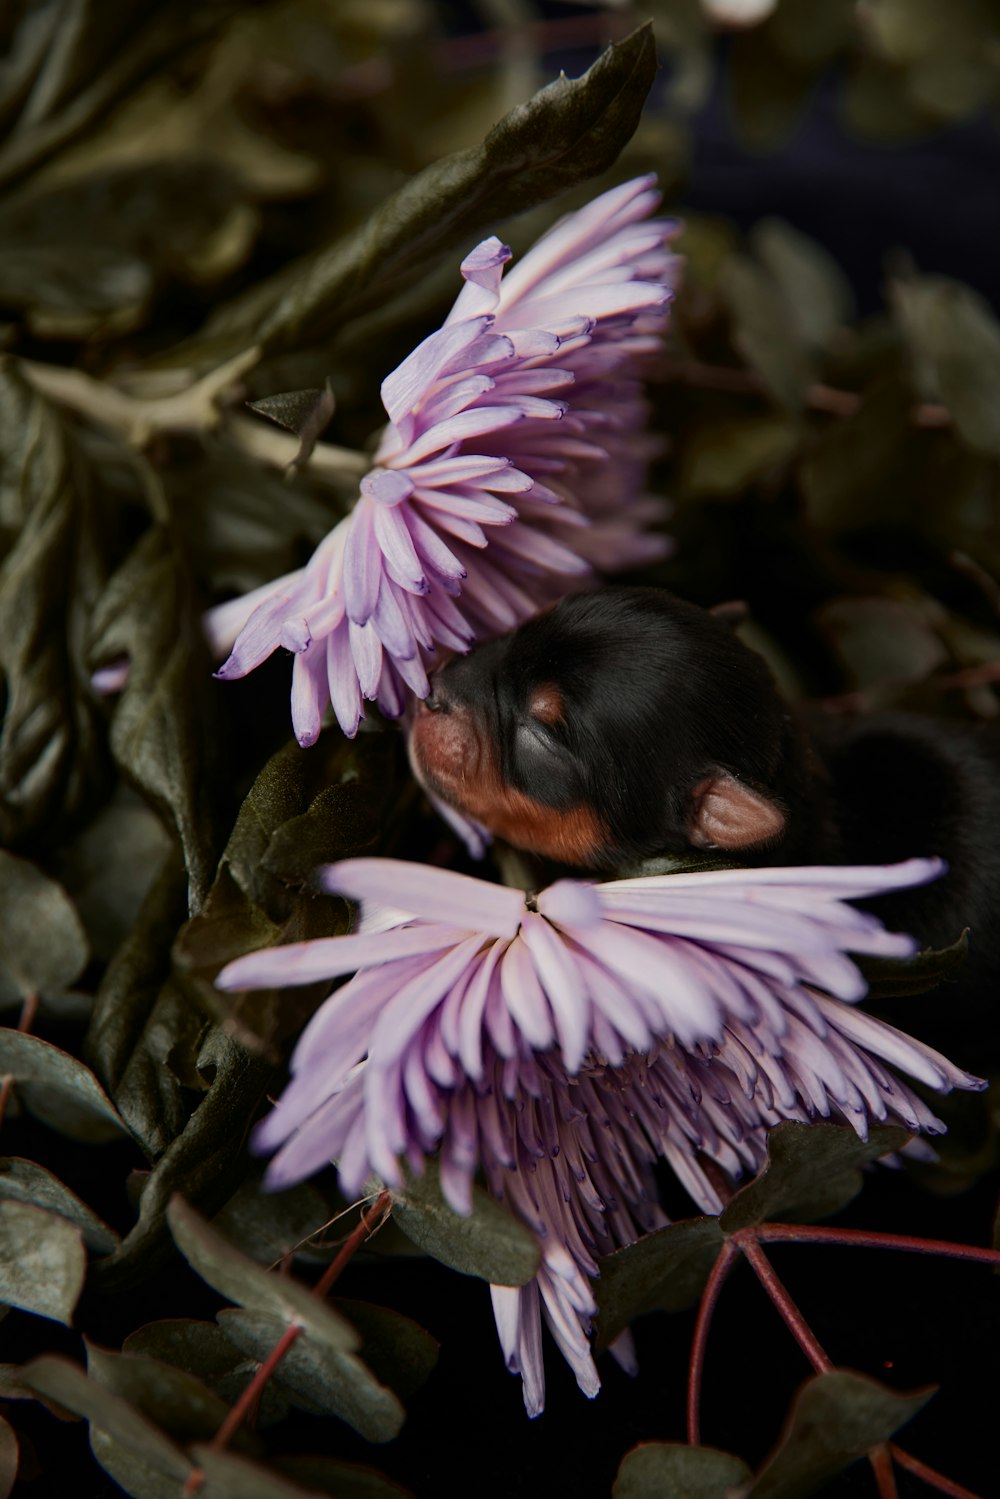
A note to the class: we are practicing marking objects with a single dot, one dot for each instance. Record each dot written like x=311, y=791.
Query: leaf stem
x=709, y=1296
x=250, y=1398
x=795, y=1322
x=885, y=1478
x=29, y=1009
x=812, y=1233
x=930, y=1475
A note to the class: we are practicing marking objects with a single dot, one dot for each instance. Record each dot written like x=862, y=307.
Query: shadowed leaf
x=207, y=1159
x=160, y=730
x=764, y=332
x=58, y=1089
x=230, y=1477
x=837, y=1417
x=663, y=1271
x=175, y=1399
x=955, y=340
x=812, y=1170
x=343, y=1480
x=398, y=1350
x=43, y=1262
x=134, y=1446
x=490, y=1243
x=51, y=573
x=319, y=1377
x=43, y=945
x=889, y=978
x=202, y=1349
x=26, y=1181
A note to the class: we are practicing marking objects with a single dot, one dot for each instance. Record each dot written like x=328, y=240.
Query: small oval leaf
x=812, y=1170
x=489, y=1243
x=43, y=1262
x=654, y=1470
x=836, y=1418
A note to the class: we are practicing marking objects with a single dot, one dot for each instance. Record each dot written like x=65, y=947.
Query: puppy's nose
x=436, y=700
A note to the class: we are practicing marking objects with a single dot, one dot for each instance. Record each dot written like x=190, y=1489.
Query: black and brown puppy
x=627, y=723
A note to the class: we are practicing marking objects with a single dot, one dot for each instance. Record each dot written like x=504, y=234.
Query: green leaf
x=571, y=130
x=301, y=811
x=57, y=1089
x=955, y=340
x=272, y=1225
x=654, y=1470
x=207, y=1159
x=812, y=1170
x=109, y=867
x=26, y=1181
x=663, y=1271
x=176, y=1400
x=489, y=1243
x=51, y=573
x=342, y=1480
x=889, y=978
x=9, y=1458
x=318, y=1377
x=304, y=412
x=43, y=946
x=837, y=1417
x=161, y=731
x=202, y=1349
x=883, y=641
x=235, y=1275
x=863, y=469
x=724, y=458
x=132, y=1448
x=764, y=332
x=815, y=291
x=43, y=1262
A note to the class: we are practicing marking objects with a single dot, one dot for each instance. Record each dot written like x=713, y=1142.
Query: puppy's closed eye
x=546, y=703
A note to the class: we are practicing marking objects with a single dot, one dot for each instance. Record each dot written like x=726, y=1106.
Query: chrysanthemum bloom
x=560, y=1043
x=514, y=458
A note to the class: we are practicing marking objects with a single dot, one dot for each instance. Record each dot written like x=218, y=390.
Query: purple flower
x=514, y=458
x=560, y=1043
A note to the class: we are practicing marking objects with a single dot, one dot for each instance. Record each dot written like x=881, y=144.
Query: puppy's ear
x=726, y=813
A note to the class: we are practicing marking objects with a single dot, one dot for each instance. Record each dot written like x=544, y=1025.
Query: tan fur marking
x=458, y=764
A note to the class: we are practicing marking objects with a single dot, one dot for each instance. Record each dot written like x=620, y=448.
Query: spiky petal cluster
x=561, y=1043
x=514, y=458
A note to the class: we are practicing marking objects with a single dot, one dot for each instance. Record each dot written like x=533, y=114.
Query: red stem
x=29, y=1010
x=885, y=1478
x=250, y=1397
x=930, y=1475
x=709, y=1296
x=792, y=1317
x=811, y=1233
